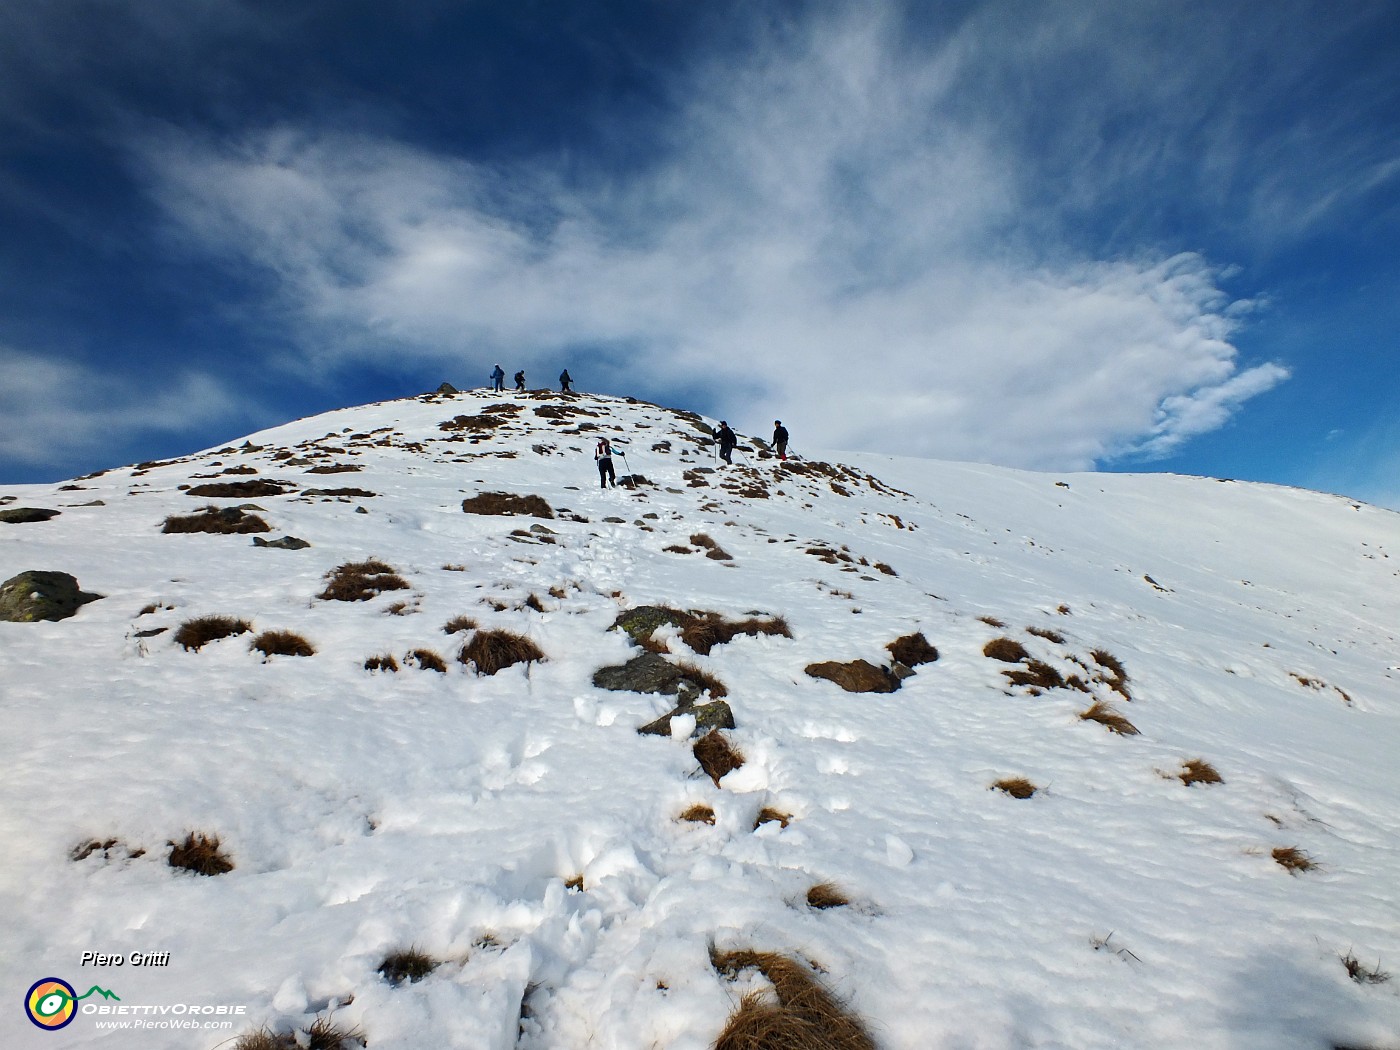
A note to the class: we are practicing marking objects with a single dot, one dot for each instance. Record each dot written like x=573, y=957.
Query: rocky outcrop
x=25, y=515
x=41, y=595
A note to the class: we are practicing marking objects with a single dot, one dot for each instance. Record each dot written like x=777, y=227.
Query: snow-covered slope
x=517, y=828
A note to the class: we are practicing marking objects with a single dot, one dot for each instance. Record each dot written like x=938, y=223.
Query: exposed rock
x=286, y=543
x=648, y=673
x=448, y=388
x=40, y=595
x=240, y=489
x=25, y=515
x=641, y=622
x=714, y=715
x=856, y=676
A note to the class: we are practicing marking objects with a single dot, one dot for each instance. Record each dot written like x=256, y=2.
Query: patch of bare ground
x=509, y=504
x=699, y=630
x=360, y=581
x=912, y=650
x=805, y=1015
x=855, y=676
x=495, y=650
x=240, y=489
x=199, y=853
x=716, y=755
x=195, y=634
x=1016, y=787
x=225, y=521
x=336, y=468
x=1108, y=718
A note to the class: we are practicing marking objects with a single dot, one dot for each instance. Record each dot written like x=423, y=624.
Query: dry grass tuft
x=992, y=621
x=383, y=662
x=200, y=854
x=1007, y=650
x=360, y=581
x=699, y=814
x=882, y=567
x=1199, y=771
x=826, y=895
x=1362, y=974
x=282, y=643
x=1105, y=716
x=712, y=549
x=495, y=650
x=574, y=883
x=195, y=634
x=769, y=815
x=407, y=964
x=855, y=676
x=84, y=850
x=912, y=650
x=218, y=520
x=459, y=625
x=1115, y=677
x=265, y=1039
x=805, y=1017
x=1038, y=675
x=1016, y=787
x=708, y=630
x=1047, y=634
x=1293, y=860
x=702, y=679
x=716, y=755
x=325, y=1034
x=426, y=660
x=239, y=489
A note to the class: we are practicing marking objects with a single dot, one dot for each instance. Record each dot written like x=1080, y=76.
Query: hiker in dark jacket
x=727, y=441
x=564, y=380
x=780, y=438
x=603, y=456
x=520, y=381
x=498, y=379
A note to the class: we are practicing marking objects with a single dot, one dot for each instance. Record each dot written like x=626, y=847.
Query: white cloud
x=829, y=236
x=55, y=410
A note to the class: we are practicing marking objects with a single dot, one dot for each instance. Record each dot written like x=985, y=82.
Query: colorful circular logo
x=51, y=1003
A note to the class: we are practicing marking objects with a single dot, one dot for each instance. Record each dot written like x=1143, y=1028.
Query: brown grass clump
x=1114, y=677
x=1016, y=787
x=702, y=679
x=407, y=964
x=912, y=650
x=716, y=755
x=1007, y=650
x=509, y=504
x=1293, y=860
x=383, y=662
x=882, y=567
x=855, y=676
x=195, y=634
x=1199, y=771
x=282, y=643
x=492, y=651
x=699, y=814
x=84, y=850
x=1362, y=974
x=805, y=1017
x=1038, y=675
x=240, y=489
x=712, y=549
x=992, y=621
x=200, y=854
x=1104, y=715
x=217, y=520
x=707, y=630
x=360, y=581
x=325, y=1034
x=459, y=625
x=426, y=660
x=768, y=815
x=1047, y=634
x=265, y=1039
x=826, y=895
x=574, y=883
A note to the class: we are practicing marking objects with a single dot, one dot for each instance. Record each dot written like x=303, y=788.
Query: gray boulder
x=39, y=595
x=286, y=543
x=648, y=673
x=25, y=515
x=714, y=715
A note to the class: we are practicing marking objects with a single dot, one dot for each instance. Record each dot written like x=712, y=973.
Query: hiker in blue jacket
x=498, y=379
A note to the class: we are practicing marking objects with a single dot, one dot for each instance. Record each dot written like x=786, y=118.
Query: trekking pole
x=630, y=483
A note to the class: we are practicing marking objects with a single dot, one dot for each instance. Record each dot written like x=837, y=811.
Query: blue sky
x=1127, y=236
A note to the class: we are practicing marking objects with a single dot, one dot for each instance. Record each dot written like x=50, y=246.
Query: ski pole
x=630, y=483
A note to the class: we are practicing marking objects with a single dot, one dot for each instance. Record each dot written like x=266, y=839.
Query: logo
x=52, y=1002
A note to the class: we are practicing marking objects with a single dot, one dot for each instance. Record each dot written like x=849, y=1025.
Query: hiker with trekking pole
x=780, y=438
x=727, y=441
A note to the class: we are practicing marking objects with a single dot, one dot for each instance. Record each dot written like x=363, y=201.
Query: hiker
x=780, y=438
x=520, y=381
x=498, y=379
x=727, y=441
x=564, y=380
x=603, y=455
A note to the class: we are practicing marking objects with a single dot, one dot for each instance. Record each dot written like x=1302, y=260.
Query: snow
x=370, y=811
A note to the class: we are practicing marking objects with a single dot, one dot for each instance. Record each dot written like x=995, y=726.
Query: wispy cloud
x=55, y=411
x=828, y=232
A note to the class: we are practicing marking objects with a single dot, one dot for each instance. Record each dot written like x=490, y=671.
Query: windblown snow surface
x=517, y=828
